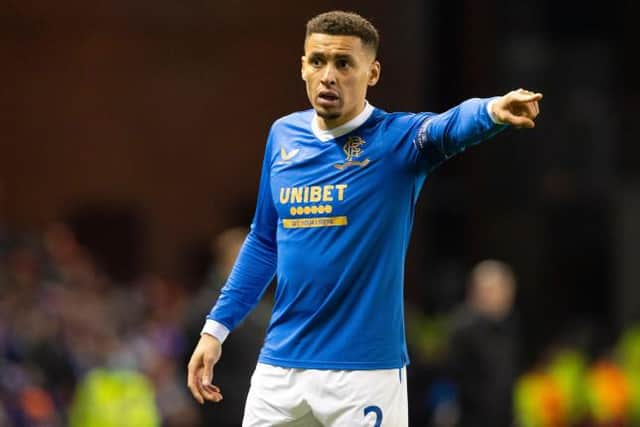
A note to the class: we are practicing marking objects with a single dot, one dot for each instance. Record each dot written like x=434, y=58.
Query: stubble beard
x=328, y=115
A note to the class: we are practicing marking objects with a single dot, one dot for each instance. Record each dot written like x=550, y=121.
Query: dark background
x=143, y=123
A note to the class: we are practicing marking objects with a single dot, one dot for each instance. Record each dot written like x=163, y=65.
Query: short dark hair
x=341, y=23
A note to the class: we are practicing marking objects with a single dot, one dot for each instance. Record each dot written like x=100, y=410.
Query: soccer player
x=335, y=208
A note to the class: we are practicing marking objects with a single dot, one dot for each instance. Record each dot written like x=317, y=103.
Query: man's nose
x=329, y=75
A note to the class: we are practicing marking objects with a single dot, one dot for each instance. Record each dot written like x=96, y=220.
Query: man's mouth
x=328, y=98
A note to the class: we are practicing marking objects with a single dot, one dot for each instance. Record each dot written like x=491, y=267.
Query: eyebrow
x=336, y=56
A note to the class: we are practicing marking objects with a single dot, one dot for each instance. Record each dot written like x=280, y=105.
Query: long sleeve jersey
x=333, y=220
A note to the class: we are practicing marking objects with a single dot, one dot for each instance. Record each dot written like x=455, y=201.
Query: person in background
x=484, y=347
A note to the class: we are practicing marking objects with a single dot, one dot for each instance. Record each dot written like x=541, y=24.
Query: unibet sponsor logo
x=322, y=195
x=312, y=194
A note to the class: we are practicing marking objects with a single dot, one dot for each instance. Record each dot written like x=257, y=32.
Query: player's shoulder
x=398, y=119
x=287, y=127
x=295, y=120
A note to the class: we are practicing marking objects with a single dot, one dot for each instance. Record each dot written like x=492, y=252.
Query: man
x=335, y=207
x=484, y=346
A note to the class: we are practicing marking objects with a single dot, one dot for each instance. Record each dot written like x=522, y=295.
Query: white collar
x=325, y=135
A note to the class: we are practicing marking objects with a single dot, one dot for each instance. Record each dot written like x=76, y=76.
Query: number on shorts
x=376, y=410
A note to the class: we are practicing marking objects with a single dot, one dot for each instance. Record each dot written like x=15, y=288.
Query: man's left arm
x=474, y=121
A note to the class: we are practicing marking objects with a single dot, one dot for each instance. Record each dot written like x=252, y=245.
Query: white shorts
x=312, y=397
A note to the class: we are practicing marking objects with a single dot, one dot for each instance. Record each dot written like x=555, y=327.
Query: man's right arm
x=253, y=271
x=444, y=135
x=256, y=263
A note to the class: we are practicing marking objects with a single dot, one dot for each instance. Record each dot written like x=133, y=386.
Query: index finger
x=526, y=96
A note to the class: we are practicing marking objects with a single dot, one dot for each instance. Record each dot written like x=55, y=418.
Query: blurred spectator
x=224, y=249
x=484, y=347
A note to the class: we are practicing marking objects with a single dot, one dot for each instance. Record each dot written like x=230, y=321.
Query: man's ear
x=374, y=73
x=302, y=61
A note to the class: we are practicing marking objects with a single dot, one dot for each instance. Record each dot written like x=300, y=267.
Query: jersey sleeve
x=256, y=263
x=442, y=136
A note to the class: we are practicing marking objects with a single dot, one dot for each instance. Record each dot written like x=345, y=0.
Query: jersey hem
x=308, y=364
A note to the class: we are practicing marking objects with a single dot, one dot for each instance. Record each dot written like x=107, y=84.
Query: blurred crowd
x=78, y=348
x=70, y=339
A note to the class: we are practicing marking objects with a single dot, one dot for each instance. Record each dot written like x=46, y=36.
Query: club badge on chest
x=353, y=150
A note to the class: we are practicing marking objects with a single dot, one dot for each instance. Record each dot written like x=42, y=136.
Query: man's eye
x=315, y=62
x=342, y=63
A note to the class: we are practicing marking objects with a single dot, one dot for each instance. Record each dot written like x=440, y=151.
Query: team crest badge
x=353, y=150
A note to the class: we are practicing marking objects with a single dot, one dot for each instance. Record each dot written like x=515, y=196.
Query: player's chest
x=349, y=159
x=324, y=178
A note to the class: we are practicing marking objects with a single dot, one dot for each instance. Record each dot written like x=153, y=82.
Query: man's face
x=493, y=294
x=337, y=71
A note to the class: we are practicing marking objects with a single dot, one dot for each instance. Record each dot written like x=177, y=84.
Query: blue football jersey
x=333, y=222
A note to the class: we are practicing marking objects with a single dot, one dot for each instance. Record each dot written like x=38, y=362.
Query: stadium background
x=140, y=126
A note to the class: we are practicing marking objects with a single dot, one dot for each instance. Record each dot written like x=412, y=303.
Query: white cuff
x=215, y=329
x=490, y=112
